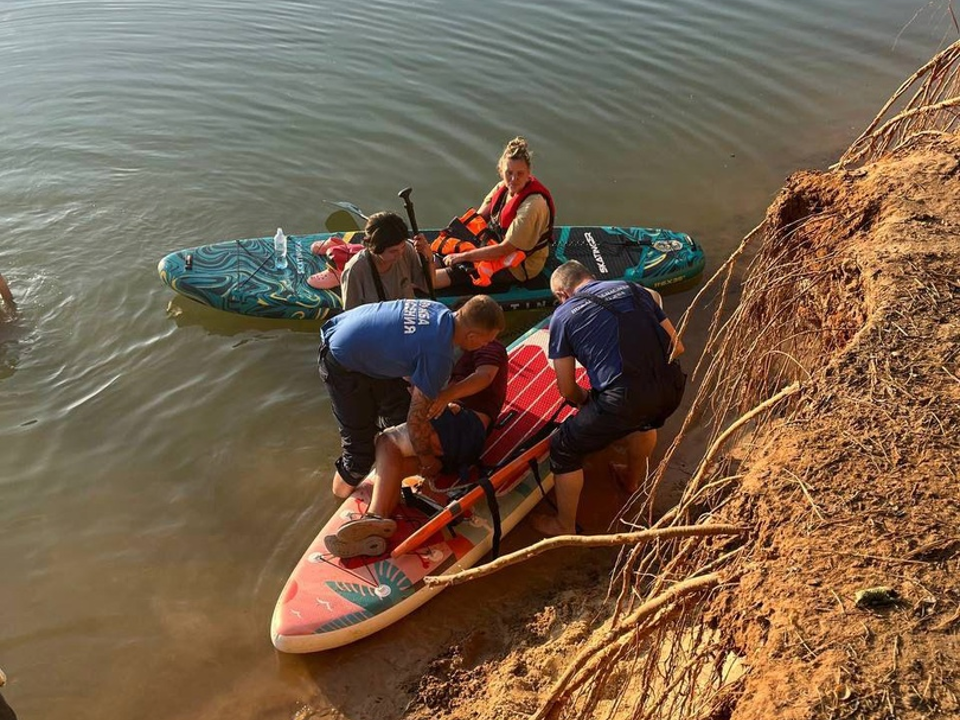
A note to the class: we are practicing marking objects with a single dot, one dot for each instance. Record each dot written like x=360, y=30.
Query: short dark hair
x=481, y=312
x=384, y=230
x=569, y=275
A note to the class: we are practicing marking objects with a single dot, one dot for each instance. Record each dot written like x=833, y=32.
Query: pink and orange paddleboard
x=328, y=602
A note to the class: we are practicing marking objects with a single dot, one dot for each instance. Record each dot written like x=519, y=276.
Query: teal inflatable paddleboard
x=240, y=276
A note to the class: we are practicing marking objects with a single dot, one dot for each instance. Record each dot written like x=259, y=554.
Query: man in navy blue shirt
x=368, y=353
x=621, y=336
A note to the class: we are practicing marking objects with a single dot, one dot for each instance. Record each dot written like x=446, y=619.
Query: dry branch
x=926, y=111
x=561, y=541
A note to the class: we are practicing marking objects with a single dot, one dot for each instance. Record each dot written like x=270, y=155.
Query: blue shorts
x=462, y=437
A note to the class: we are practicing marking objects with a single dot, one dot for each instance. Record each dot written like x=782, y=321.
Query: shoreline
x=844, y=486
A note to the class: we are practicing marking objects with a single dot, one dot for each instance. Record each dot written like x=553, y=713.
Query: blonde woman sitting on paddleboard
x=520, y=212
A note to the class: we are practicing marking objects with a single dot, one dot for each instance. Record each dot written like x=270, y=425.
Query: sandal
x=370, y=546
x=325, y=279
x=337, y=257
x=369, y=525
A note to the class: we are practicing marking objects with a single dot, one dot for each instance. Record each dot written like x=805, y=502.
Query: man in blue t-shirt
x=461, y=418
x=619, y=333
x=368, y=354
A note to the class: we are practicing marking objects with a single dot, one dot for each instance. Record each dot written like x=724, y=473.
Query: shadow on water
x=187, y=313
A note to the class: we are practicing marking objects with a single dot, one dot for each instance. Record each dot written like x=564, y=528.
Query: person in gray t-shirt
x=389, y=267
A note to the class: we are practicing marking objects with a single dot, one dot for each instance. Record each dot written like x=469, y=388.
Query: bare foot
x=550, y=526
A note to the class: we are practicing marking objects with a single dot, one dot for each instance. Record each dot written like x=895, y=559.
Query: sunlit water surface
x=162, y=469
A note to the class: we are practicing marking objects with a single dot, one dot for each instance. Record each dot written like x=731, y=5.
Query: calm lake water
x=161, y=469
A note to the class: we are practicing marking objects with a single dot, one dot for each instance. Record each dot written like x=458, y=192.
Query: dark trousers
x=363, y=406
x=612, y=414
x=461, y=277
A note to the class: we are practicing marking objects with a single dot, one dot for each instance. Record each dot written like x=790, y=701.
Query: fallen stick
x=736, y=425
x=628, y=538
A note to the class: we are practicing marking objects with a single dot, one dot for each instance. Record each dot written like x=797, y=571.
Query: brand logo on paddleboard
x=298, y=259
x=601, y=265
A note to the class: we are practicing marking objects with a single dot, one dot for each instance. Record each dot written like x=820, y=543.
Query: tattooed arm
x=421, y=432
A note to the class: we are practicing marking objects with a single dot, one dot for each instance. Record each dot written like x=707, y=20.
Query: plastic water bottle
x=280, y=250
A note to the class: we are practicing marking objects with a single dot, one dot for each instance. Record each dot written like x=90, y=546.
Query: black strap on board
x=494, y=506
x=381, y=293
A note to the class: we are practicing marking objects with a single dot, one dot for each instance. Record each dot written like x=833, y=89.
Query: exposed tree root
x=628, y=538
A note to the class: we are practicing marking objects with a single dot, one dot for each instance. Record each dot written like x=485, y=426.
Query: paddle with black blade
x=424, y=263
x=345, y=219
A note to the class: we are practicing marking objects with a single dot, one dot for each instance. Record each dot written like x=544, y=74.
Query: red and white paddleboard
x=329, y=602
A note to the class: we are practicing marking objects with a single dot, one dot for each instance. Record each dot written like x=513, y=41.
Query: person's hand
x=438, y=406
x=429, y=466
x=584, y=396
x=453, y=259
x=421, y=245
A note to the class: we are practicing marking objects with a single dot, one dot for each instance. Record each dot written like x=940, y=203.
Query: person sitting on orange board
x=368, y=353
x=462, y=417
x=619, y=333
x=520, y=212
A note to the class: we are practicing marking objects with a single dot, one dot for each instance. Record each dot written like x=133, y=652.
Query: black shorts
x=461, y=276
x=610, y=416
x=462, y=437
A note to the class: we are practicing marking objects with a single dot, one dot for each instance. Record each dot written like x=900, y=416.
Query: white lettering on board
x=601, y=265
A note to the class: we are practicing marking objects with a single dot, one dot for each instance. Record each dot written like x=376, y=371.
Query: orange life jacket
x=503, y=211
x=502, y=214
x=467, y=232
x=471, y=231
